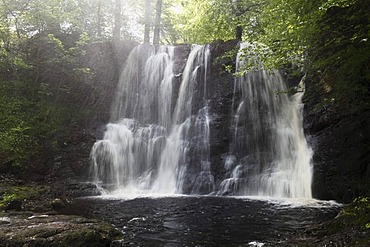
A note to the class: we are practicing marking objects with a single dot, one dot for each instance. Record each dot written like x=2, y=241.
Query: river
x=208, y=220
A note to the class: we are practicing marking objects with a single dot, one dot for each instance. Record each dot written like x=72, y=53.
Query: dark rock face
x=337, y=104
x=341, y=145
x=220, y=90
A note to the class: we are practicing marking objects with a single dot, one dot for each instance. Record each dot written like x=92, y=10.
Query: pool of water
x=208, y=220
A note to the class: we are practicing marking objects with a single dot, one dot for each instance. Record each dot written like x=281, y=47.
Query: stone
x=57, y=204
x=56, y=230
x=4, y=220
x=15, y=204
x=340, y=144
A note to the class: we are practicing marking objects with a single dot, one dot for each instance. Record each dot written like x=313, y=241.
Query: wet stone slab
x=28, y=229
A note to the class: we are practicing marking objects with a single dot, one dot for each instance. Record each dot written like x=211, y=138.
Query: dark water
x=207, y=221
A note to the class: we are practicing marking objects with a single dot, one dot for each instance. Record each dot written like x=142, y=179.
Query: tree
x=157, y=22
x=42, y=46
x=147, y=21
x=117, y=21
x=203, y=21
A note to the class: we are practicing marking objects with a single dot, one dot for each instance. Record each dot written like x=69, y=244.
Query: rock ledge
x=28, y=229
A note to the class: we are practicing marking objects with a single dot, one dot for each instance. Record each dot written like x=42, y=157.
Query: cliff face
x=337, y=103
x=221, y=88
x=341, y=158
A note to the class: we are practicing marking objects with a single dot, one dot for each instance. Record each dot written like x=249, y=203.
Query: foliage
x=36, y=96
x=43, y=65
x=340, y=55
x=17, y=144
x=286, y=27
x=328, y=39
x=29, y=123
x=204, y=21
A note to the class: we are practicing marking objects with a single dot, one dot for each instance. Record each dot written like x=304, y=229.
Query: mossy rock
x=19, y=195
x=57, y=231
x=84, y=237
x=356, y=214
x=350, y=228
x=57, y=204
x=8, y=192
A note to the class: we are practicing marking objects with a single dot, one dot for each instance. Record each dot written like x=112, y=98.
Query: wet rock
x=4, y=220
x=57, y=204
x=220, y=88
x=349, y=228
x=80, y=189
x=56, y=230
x=15, y=204
x=340, y=142
x=117, y=243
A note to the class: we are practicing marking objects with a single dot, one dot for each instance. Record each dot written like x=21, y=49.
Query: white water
x=158, y=141
x=145, y=149
x=269, y=155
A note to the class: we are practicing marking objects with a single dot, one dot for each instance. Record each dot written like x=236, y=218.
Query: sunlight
x=178, y=9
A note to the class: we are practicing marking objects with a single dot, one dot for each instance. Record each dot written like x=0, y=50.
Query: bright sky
x=177, y=9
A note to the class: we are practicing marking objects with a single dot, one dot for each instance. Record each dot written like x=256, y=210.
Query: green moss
x=354, y=216
x=10, y=193
x=97, y=236
x=349, y=228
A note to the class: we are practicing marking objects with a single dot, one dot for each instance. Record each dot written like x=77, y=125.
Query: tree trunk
x=238, y=33
x=157, y=23
x=147, y=22
x=99, y=20
x=117, y=22
x=238, y=13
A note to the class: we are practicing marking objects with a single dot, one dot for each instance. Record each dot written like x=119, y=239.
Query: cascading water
x=148, y=146
x=158, y=140
x=269, y=155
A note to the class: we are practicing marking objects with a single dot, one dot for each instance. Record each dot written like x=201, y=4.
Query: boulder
x=56, y=230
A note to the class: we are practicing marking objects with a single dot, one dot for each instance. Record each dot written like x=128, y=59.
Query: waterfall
x=158, y=138
x=149, y=145
x=269, y=155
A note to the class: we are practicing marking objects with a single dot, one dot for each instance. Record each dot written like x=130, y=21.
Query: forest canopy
x=286, y=27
